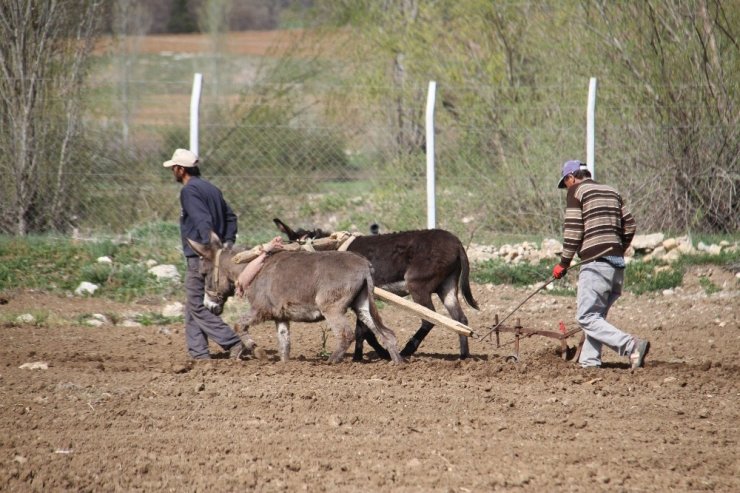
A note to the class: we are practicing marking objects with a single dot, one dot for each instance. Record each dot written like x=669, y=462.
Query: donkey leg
x=448, y=294
x=415, y=341
x=252, y=347
x=423, y=298
x=241, y=327
x=283, y=336
x=342, y=332
x=243, y=322
x=383, y=333
x=360, y=331
x=367, y=312
x=363, y=333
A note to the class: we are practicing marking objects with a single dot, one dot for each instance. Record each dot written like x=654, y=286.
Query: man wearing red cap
x=599, y=228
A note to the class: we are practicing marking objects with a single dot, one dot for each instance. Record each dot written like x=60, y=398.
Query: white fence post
x=431, y=214
x=194, y=106
x=591, y=128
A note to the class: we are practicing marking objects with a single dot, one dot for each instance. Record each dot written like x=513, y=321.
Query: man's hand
x=558, y=271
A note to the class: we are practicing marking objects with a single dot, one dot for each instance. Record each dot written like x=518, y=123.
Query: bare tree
x=131, y=20
x=213, y=18
x=409, y=129
x=685, y=141
x=42, y=60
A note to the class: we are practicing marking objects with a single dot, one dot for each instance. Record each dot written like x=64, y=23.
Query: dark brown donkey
x=298, y=287
x=418, y=263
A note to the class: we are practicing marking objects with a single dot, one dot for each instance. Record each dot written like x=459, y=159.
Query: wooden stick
x=424, y=312
x=248, y=255
x=332, y=242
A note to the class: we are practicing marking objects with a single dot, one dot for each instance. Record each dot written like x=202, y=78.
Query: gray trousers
x=599, y=286
x=201, y=324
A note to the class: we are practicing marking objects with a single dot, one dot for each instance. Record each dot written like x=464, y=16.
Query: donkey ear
x=284, y=229
x=201, y=249
x=215, y=241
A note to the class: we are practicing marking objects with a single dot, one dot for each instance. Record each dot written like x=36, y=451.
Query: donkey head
x=214, y=258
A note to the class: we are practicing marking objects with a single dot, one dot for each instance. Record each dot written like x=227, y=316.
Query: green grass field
x=60, y=264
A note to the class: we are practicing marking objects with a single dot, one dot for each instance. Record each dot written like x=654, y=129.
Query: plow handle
x=552, y=278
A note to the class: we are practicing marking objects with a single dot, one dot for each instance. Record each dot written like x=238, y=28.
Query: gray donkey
x=298, y=286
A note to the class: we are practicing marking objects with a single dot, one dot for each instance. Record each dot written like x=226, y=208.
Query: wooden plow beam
x=566, y=352
x=424, y=312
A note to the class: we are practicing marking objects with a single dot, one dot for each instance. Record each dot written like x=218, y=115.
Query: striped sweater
x=597, y=223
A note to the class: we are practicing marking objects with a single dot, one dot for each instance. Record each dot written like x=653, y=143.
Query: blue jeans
x=599, y=286
x=201, y=324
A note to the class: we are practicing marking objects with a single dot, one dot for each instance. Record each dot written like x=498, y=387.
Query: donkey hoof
x=409, y=350
x=260, y=353
x=383, y=354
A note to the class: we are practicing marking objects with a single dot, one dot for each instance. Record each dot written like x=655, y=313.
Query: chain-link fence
x=340, y=157
x=322, y=158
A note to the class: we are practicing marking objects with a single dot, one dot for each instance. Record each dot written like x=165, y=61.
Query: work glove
x=558, y=271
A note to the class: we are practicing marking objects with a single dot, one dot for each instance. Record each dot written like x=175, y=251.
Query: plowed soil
x=122, y=409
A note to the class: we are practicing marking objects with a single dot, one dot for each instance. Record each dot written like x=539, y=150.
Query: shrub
x=642, y=277
x=497, y=271
x=96, y=273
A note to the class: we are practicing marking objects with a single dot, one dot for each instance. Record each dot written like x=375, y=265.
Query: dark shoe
x=238, y=351
x=641, y=349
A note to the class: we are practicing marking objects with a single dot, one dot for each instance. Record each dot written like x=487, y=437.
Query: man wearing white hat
x=598, y=227
x=203, y=210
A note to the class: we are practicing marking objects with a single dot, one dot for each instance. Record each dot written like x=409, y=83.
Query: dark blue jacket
x=204, y=210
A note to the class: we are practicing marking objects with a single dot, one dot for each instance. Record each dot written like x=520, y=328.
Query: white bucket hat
x=182, y=157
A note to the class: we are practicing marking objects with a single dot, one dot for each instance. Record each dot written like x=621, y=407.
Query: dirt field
x=122, y=409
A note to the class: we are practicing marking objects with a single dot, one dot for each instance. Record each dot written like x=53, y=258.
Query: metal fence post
x=194, y=106
x=590, y=128
x=431, y=207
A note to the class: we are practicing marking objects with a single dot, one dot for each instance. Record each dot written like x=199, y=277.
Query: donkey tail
x=465, y=279
x=374, y=313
